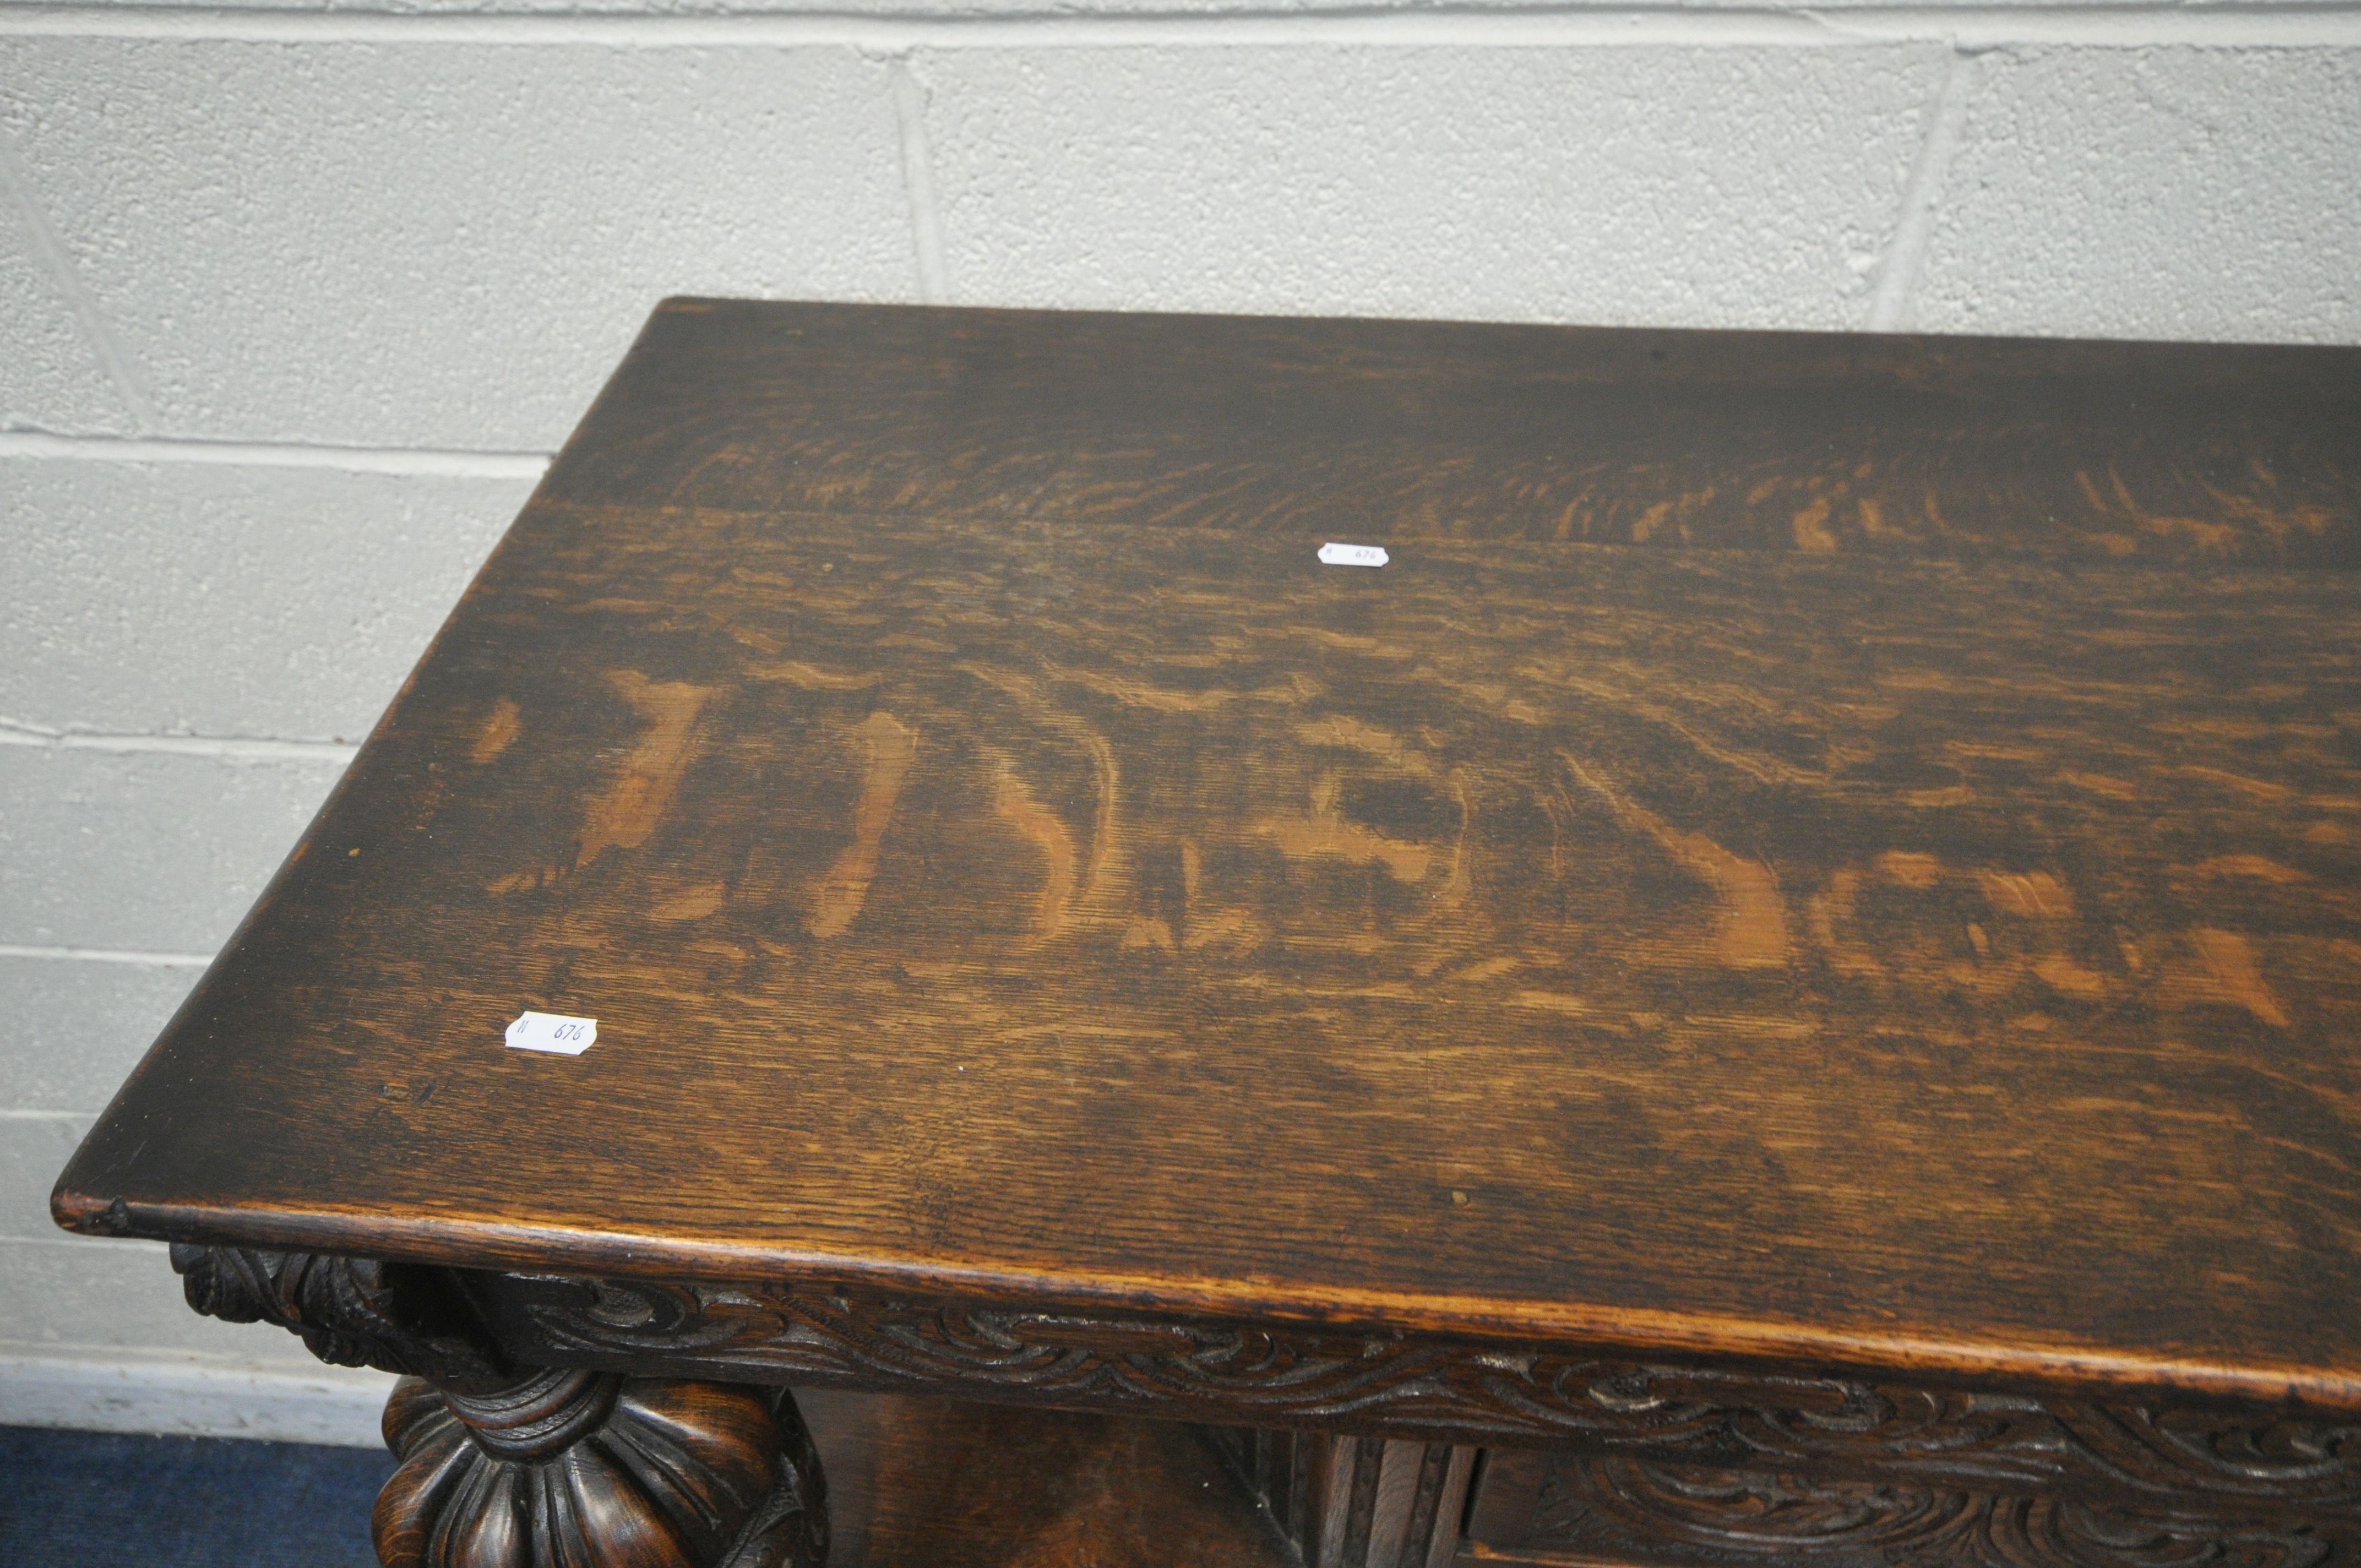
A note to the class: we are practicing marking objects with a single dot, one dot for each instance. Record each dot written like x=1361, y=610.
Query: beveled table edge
x=503, y=1248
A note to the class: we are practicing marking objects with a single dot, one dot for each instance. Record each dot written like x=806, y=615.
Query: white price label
x=1351, y=554
x=553, y=1032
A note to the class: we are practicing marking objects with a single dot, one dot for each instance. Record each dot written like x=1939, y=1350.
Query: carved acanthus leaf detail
x=351, y=1312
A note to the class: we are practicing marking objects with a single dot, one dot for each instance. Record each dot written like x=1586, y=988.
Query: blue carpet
x=87, y=1499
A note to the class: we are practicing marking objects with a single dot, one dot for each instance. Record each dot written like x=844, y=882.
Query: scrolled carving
x=1109, y=1359
x=2265, y=1464
x=351, y=1312
x=547, y=1413
x=2005, y=1440
x=1599, y=1499
x=1625, y=1504
x=2270, y=1456
x=1727, y=1417
x=570, y=1469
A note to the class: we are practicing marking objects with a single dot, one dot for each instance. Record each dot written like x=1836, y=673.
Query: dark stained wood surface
x=1347, y=1502
x=934, y=1484
x=1825, y=444
x=561, y=1468
x=1840, y=850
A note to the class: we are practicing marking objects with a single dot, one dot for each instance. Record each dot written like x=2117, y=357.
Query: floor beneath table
x=85, y=1499
x=912, y=1483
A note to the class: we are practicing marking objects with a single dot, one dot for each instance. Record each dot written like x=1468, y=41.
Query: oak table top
x=1823, y=849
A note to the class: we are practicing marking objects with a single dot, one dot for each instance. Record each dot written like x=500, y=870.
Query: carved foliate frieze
x=1983, y=1438
x=1646, y=1512
x=1307, y=1377
x=1240, y=1375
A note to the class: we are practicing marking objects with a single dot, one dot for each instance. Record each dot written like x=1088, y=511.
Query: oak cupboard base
x=676, y=1444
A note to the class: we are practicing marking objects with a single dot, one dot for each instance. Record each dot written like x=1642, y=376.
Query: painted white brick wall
x=1721, y=187
x=296, y=297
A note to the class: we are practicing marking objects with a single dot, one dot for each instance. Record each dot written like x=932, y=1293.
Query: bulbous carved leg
x=571, y=1469
x=506, y=1468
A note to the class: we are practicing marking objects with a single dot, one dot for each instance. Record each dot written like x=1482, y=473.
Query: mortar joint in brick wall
x=223, y=747
x=49, y=252
x=2130, y=24
x=1914, y=219
x=918, y=181
x=135, y=958
x=429, y=462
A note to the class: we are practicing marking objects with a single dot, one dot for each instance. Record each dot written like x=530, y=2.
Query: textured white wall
x=295, y=298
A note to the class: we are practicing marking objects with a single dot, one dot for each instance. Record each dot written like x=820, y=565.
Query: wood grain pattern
x=1003, y=862
x=1378, y=431
x=919, y=1482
